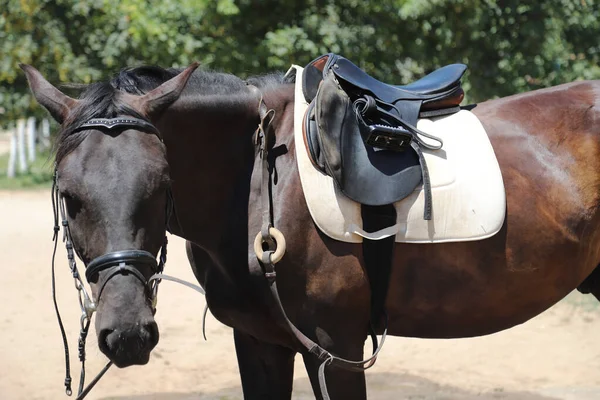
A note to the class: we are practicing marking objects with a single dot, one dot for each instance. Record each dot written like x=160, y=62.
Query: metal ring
x=279, y=249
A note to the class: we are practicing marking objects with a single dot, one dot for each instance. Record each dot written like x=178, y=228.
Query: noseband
x=121, y=262
x=115, y=263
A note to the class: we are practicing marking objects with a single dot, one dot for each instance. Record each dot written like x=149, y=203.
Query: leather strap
x=416, y=143
x=114, y=262
x=263, y=138
x=121, y=269
x=426, y=182
x=119, y=123
x=85, y=302
x=133, y=257
x=378, y=255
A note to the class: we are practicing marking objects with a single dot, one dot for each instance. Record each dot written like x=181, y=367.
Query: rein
x=274, y=241
x=116, y=263
x=86, y=304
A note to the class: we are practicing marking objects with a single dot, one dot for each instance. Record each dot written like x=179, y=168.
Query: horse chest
x=244, y=305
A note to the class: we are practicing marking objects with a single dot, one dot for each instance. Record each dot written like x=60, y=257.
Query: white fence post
x=21, y=146
x=31, y=139
x=12, y=158
x=45, y=133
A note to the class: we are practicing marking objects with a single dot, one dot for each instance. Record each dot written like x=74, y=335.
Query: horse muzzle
x=129, y=346
x=126, y=329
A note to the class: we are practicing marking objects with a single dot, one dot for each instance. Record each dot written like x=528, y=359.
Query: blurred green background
x=510, y=46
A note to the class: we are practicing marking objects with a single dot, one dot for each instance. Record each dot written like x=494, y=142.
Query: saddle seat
x=441, y=83
x=437, y=90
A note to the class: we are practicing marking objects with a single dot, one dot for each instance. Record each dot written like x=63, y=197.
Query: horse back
x=548, y=147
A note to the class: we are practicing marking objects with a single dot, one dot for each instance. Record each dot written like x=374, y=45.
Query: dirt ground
x=554, y=356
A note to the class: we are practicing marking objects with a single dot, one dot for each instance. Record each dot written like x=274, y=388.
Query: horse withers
x=548, y=147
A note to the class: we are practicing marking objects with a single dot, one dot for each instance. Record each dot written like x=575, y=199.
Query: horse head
x=112, y=183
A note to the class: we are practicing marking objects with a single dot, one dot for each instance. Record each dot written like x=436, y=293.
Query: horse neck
x=210, y=153
x=216, y=172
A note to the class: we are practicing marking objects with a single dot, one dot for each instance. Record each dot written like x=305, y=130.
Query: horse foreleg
x=267, y=370
x=341, y=384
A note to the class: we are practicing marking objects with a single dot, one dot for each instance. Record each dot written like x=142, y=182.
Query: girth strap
x=378, y=255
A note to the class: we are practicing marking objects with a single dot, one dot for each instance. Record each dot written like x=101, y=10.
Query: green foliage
x=510, y=46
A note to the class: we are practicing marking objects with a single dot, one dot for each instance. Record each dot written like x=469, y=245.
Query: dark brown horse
x=548, y=146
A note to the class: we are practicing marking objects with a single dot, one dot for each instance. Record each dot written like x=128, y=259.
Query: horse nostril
x=151, y=330
x=129, y=346
x=104, y=342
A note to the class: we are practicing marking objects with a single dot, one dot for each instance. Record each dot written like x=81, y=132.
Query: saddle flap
x=362, y=172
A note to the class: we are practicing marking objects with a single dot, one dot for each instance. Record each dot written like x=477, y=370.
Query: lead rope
x=275, y=243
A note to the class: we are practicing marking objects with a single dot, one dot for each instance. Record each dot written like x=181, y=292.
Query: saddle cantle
x=362, y=132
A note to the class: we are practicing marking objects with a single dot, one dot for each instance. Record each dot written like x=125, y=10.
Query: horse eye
x=73, y=205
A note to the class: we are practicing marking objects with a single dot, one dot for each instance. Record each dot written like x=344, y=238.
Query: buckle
x=388, y=137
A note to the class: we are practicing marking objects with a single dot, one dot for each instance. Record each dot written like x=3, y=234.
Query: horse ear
x=155, y=101
x=56, y=102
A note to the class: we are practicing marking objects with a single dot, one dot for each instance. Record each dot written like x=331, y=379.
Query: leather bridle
x=113, y=264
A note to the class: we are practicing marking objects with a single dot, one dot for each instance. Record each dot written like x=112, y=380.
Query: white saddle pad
x=466, y=184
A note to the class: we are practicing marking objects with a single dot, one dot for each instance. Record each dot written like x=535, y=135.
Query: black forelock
x=97, y=100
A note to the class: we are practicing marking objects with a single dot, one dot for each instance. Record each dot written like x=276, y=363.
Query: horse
x=204, y=158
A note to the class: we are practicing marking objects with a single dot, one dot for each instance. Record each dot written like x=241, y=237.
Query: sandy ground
x=554, y=356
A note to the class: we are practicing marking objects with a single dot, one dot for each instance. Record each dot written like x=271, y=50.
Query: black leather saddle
x=362, y=132
x=439, y=89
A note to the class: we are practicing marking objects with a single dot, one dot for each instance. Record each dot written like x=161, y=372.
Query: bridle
x=113, y=264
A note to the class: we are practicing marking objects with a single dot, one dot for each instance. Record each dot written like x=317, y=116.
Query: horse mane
x=101, y=100
x=141, y=80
